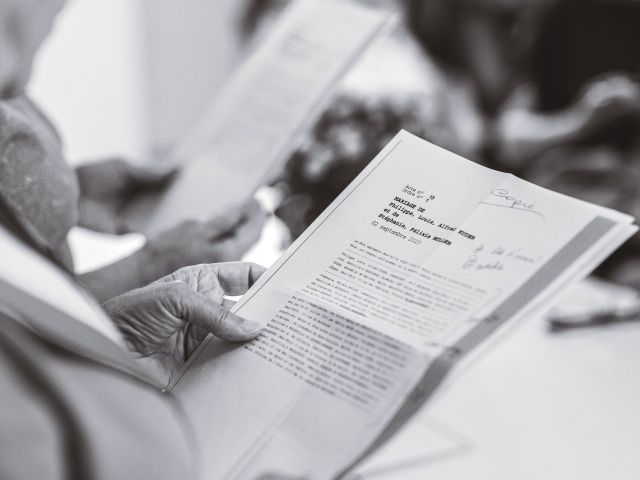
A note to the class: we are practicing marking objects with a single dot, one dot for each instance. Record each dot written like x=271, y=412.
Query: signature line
x=513, y=208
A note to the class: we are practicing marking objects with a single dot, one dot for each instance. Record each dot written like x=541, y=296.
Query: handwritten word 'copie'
x=506, y=200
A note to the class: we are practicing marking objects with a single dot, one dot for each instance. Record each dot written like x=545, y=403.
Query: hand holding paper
x=168, y=319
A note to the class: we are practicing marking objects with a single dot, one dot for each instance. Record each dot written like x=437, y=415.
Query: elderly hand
x=167, y=320
x=108, y=186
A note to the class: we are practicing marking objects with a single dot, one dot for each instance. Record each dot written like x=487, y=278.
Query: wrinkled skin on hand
x=167, y=320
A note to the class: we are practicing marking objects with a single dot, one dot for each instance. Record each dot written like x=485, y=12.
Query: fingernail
x=250, y=326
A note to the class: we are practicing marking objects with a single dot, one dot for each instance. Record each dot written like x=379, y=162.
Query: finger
x=227, y=303
x=230, y=278
x=215, y=280
x=216, y=319
x=223, y=224
x=236, y=278
x=202, y=279
x=243, y=236
x=280, y=476
x=123, y=227
x=149, y=176
x=96, y=217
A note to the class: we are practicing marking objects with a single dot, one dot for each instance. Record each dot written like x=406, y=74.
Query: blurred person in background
x=48, y=197
x=579, y=130
x=556, y=84
x=553, y=85
x=75, y=403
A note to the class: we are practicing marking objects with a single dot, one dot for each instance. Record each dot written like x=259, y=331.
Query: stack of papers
x=259, y=118
x=421, y=259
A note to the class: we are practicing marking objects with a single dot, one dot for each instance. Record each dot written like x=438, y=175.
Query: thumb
x=202, y=312
x=223, y=224
x=149, y=177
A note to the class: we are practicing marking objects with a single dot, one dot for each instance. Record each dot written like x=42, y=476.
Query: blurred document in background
x=259, y=118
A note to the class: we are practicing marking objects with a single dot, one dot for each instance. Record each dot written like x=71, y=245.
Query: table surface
x=539, y=405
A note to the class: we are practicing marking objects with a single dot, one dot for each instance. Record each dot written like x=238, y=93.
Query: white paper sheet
x=258, y=119
x=418, y=261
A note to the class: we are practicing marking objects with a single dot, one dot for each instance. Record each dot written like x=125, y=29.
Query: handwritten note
x=501, y=197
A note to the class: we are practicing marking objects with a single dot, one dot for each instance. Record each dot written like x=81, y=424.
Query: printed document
x=418, y=261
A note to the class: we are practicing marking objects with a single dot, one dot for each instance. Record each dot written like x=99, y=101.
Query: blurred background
x=546, y=89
